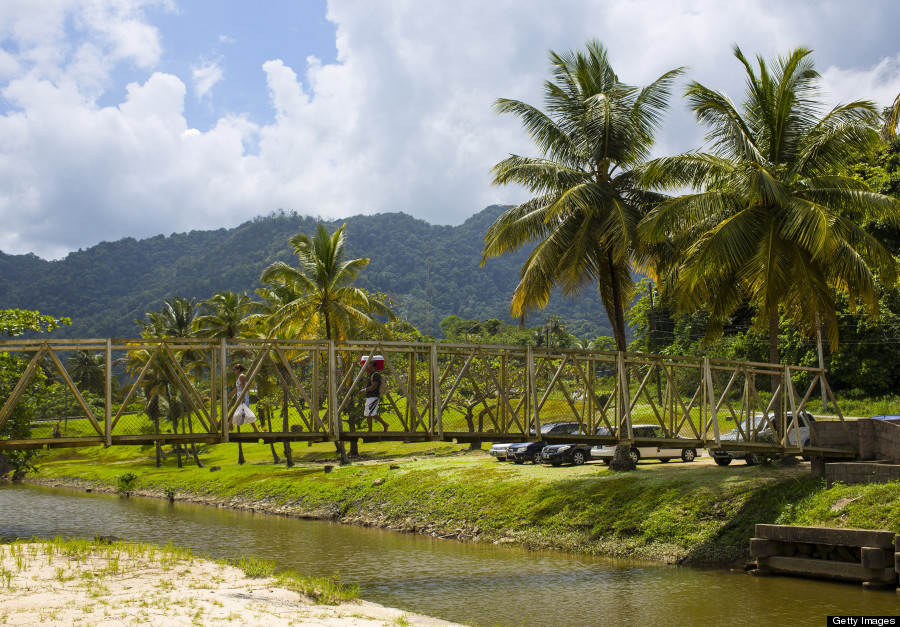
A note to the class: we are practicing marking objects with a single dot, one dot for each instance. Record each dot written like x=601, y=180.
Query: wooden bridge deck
x=178, y=391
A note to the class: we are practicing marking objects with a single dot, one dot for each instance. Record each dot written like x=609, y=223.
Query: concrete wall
x=861, y=472
x=874, y=439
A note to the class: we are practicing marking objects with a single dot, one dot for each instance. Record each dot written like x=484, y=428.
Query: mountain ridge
x=431, y=271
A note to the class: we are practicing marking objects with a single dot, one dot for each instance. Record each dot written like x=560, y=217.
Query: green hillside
x=431, y=271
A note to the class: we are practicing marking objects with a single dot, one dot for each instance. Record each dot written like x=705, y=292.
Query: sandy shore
x=89, y=583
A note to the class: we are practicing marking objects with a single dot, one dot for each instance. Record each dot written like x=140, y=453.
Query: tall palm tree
x=324, y=285
x=274, y=297
x=326, y=299
x=225, y=315
x=587, y=205
x=174, y=320
x=775, y=222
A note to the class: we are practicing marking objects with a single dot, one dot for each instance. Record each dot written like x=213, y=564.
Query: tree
x=14, y=322
x=587, y=204
x=174, y=320
x=775, y=222
x=87, y=369
x=324, y=285
x=225, y=315
x=326, y=299
x=17, y=425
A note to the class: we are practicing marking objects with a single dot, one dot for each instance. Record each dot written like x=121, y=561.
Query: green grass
x=256, y=568
x=322, y=590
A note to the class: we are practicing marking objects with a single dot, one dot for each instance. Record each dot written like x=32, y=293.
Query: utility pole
x=821, y=362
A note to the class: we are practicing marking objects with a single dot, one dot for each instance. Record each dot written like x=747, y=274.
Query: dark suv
x=522, y=452
x=571, y=453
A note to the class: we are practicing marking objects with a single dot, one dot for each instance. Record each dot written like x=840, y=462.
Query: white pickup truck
x=764, y=433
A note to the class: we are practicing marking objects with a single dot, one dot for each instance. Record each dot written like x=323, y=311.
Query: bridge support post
x=712, y=413
x=223, y=377
x=332, y=417
x=437, y=414
x=107, y=418
x=531, y=389
x=623, y=404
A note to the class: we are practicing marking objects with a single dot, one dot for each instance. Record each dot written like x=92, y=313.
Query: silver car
x=764, y=433
x=499, y=451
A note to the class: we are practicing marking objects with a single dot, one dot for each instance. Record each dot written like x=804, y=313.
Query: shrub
x=125, y=483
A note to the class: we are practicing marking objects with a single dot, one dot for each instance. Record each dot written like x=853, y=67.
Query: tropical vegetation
x=587, y=204
x=777, y=221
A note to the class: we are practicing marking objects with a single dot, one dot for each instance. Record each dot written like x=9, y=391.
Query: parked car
x=500, y=451
x=764, y=433
x=522, y=452
x=637, y=453
x=569, y=453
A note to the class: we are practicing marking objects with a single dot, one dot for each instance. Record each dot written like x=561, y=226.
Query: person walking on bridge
x=373, y=395
x=243, y=414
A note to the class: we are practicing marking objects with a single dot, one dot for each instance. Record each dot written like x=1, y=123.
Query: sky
x=132, y=118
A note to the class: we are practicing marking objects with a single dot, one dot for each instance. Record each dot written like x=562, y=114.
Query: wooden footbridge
x=181, y=391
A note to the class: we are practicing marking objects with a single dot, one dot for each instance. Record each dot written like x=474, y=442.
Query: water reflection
x=478, y=584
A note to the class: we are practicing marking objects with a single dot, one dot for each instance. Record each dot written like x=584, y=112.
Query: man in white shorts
x=373, y=396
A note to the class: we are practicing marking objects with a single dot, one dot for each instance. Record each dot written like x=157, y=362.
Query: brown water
x=475, y=584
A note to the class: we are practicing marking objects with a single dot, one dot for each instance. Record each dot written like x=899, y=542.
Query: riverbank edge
x=711, y=556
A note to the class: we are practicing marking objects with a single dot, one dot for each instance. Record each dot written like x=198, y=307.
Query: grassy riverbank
x=694, y=513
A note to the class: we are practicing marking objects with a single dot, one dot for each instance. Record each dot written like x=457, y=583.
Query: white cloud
x=879, y=82
x=402, y=120
x=205, y=76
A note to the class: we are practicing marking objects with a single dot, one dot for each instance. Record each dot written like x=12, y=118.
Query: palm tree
x=325, y=297
x=87, y=369
x=154, y=385
x=274, y=298
x=174, y=320
x=324, y=285
x=776, y=222
x=225, y=315
x=587, y=205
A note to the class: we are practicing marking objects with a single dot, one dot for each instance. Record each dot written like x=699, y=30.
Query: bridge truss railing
x=137, y=391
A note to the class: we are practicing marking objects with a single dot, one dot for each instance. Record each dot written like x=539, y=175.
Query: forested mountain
x=430, y=271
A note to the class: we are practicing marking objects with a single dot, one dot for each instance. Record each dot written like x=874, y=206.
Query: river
x=470, y=583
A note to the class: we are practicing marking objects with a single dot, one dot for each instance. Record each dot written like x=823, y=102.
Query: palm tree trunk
x=618, y=320
x=268, y=419
x=338, y=445
x=195, y=455
x=153, y=411
x=190, y=424
x=174, y=420
x=618, y=313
